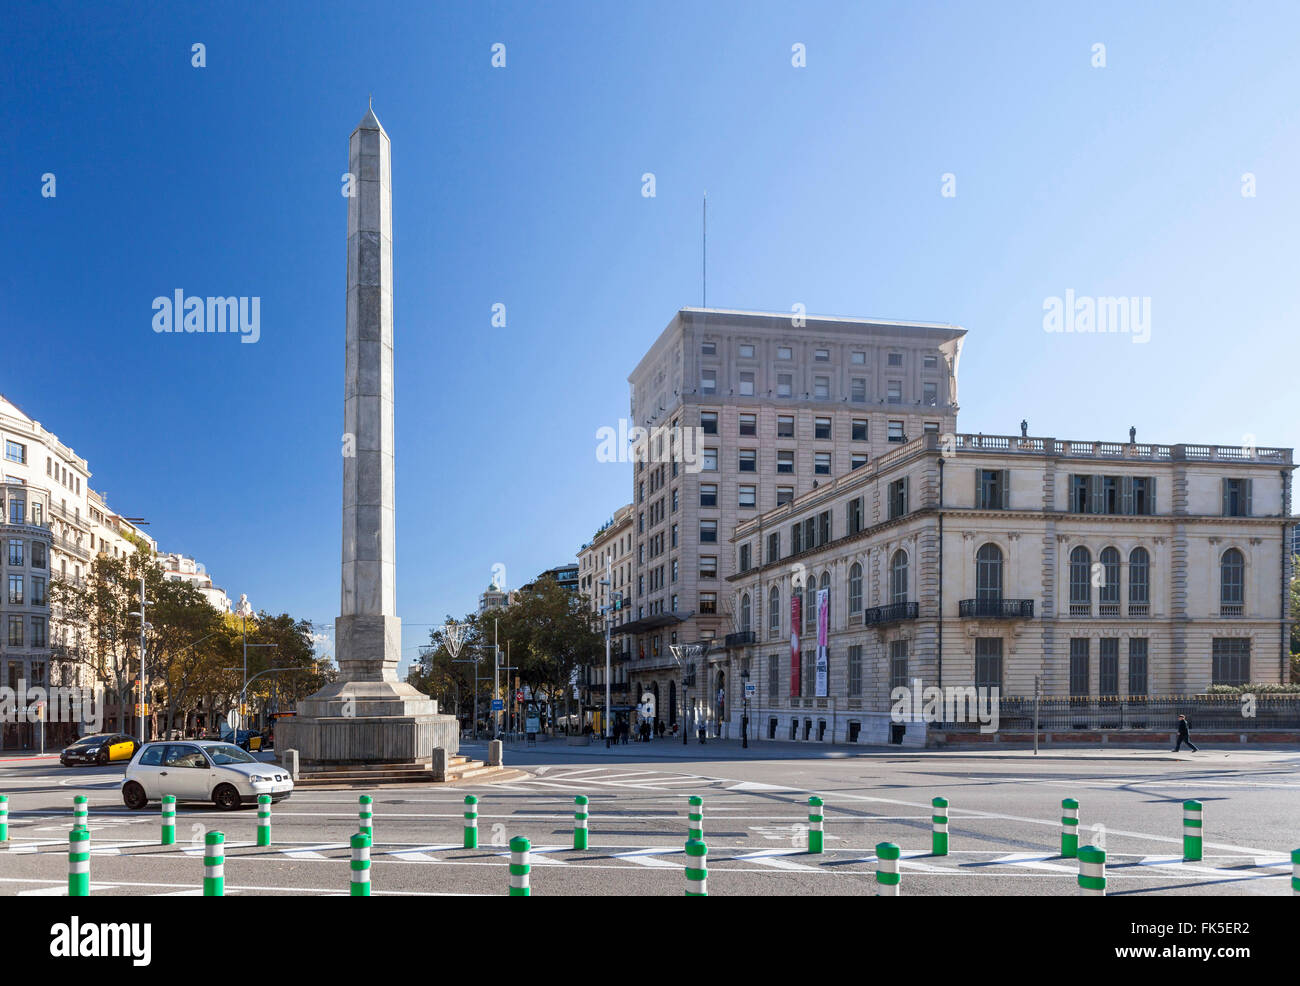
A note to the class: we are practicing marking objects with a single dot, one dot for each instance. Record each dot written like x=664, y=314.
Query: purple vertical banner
x=823, y=620
x=795, y=622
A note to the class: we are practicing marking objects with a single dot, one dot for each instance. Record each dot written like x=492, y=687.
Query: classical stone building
x=608, y=557
x=784, y=405
x=1105, y=569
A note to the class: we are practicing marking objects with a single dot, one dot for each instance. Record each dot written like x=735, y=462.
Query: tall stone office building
x=784, y=404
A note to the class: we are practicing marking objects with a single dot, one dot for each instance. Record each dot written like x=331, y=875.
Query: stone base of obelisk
x=369, y=717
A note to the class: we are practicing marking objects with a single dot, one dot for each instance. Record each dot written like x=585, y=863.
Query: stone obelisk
x=368, y=715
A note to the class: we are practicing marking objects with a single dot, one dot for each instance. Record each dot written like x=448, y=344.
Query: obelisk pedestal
x=368, y=715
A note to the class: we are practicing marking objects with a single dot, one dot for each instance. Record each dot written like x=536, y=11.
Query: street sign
x=498, y=704
x=519, y=695
x=751, y=689
x=232, y=718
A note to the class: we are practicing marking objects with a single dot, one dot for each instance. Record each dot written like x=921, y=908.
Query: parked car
x=101, y=748
x=202, y=770
x=245, y=739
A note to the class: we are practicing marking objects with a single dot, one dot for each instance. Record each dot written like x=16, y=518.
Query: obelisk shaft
x=368, y=634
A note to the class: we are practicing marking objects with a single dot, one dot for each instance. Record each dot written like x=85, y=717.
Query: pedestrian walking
x=1184, y=735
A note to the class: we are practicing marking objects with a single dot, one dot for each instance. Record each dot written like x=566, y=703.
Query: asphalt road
x=1004, y=810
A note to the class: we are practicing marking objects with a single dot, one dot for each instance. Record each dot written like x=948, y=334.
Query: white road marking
x=650, y=857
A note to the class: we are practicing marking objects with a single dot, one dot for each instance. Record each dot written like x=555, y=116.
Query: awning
x=648, y=623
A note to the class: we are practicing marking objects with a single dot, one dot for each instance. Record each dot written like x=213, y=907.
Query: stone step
x=460, y=769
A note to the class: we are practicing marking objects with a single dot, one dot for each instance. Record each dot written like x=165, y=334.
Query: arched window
x=1108, y=594
x=1139, y=582
x=988, y=573
x=774, y=612
x=898, y=577
x=855, y=588
x=1080, y=582
x=1232, y=583
x=744, y=612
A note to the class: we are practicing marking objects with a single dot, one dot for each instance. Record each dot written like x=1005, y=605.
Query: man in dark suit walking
x=1184, y=736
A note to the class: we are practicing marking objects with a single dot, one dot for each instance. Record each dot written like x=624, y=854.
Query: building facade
x=1088, y=569
x=182, y=568
x=604, y=575
x=771, y=407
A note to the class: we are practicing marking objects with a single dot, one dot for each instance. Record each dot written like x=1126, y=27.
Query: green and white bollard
x=1069, y=828
x=169, y=820
x=1092, y=872
x=695, y=819
x=4, y=818
x=471, y=822
x=1295, y=872
x=214, y=865
x=1192, y=812
x=263, y=819
x=939, y=821
x=888, y=879
x=580, y=822
x=816, y=820
x=81, y=813
x=697, y=868
x=79, y=863
x=367, y=816
x=360, y=865
x=519, y=868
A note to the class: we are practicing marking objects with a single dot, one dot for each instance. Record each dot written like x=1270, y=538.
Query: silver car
x=201, y=770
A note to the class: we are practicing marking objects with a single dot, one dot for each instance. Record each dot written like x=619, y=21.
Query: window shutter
x=1069, y=495
x=1005, y=484
x=1126, y=495
x=1095, y=495
x=1223, y=485
x=1151, y=494
x=979, y=488
x=907, y=487
x=1249, y=484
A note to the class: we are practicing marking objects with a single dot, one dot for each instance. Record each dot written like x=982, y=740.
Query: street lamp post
x=143, y=627
x=744, y=712
x=244, y=610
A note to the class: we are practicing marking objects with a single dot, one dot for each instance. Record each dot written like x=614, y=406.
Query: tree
x=450, y=681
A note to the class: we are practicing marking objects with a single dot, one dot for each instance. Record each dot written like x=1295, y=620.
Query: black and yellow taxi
x=101, y=748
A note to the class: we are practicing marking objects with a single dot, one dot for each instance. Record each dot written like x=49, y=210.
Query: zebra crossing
x=580, y=780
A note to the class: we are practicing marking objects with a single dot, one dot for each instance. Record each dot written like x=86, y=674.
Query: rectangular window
x=748, y=496
x=784, y=494
x=853, y=515
x=1137, y=666
x=930, y=394
x=708, y=532
x=858, y=390
x=17, y=510
x=748, y=460
x=708, y=381
x=824, y=527
x=898, y=498
x=38, y=635
x=708, y=602
x=746, y=351
x=784, y=384
x=1079, y=686
x=821, y=388
x=709, y=461
x=855, y=670
x=15, y=633
x=898, y=664
x=785, y=461
x=809, y=541
x=1231, y=661
x=988, y=662
x=822, y=355
x=894, y=392
x=709, y=422
x=38, y=555
x=1108, y=667
x=1236, y=498
x=708, y=349
x=773, y=676
x=746, y=383
x=991, y=489
x=674, y=535
x=16, y=452
x=859, y=429
x=821, y=427
x=931, y=427
x=708, y=566
x=708, y=495
x=858, y=358
x=38, y=591
x=784, y=352
x=822, y=463
x=15, y=588
x=748, y=424
x=785, y=426
x=857, y=460
x=15, y=551
x=796, y=539
x=744, y=565
x=896, y=433
x=930, y=361
x=774, y=547
x=895, y=359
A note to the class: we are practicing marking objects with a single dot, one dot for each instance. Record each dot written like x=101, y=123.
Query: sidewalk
x=731, y=749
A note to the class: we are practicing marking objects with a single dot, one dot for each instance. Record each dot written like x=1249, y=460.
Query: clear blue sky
x=522, y=186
